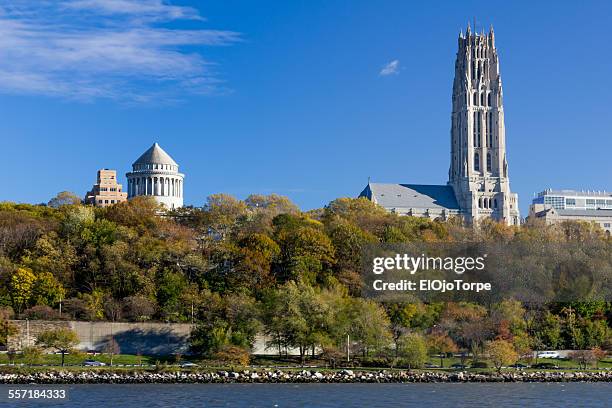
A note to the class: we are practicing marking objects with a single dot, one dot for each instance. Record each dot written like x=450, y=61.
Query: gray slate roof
x=411, y=196
x=155, y=155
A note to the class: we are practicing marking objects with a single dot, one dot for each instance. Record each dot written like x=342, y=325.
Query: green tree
x=47, y=290
x=369, y=326
x=413, y=350
x=61, y=339
x=31, y=355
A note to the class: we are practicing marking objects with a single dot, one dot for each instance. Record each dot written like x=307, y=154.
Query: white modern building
x=570, y=205
x=156, y=174
x=478, y=181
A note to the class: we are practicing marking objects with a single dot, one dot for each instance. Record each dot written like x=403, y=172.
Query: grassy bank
x=132, y=362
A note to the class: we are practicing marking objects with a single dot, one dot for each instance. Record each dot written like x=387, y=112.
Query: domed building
x=156, y=174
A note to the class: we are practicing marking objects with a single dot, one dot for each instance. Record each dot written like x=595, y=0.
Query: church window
x=490, y=130
x=475, y=98
x=489, y=162
x=489, y=99
x=477, y=162
x=482, y=99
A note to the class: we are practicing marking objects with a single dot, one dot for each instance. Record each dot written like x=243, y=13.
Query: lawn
x=260, y=362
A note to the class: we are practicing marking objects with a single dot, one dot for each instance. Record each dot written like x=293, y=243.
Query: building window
x=570, y=201
x=99, y=201
x=489, y=163
x=489, y=99
x=606, y=225
x=489, y=129
x=555, y=202
x=477, y=162
x=590, y=201
x=475, y=98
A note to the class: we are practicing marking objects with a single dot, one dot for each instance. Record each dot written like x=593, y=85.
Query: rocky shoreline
x=304, y=376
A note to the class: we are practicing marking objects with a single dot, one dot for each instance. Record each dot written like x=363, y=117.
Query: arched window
x=480, y=204
x=475, y=98
x=489, y=164
x=490, y=129
x=482, y=99
x=477, y=162
x=489, y=99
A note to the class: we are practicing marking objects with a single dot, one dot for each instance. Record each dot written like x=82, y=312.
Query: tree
x=413, y=350
x=111, y=347
x=598, y=354
x=582, y=357
x=47, y=290
x=31, y=354
x=22, y=283
x=369, y=325
x=138, y=308
x=441, y=344
x=61, y=339
x=7, y=329
x=501, y=353
x=64, y=198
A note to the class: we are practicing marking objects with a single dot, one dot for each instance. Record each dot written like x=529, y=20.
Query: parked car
x=546, y=366
x=93, y=363
x=459, y=366
x=548, y=354
x=188, y=364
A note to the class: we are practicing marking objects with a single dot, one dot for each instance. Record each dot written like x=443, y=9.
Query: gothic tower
x=479, y=171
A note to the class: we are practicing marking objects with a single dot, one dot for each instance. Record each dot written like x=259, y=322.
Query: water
x=332, y=395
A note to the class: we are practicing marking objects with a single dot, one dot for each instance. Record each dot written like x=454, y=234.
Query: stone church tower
x=478, y=172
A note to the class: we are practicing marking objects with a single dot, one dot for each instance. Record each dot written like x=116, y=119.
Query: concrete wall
x=145, y=338
x=132, y=338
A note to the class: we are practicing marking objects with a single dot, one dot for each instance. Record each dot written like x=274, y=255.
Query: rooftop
x=575, y=193
x=155, y=155
x=411, y=196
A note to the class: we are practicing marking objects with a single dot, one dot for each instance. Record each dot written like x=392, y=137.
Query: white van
x=548, y=354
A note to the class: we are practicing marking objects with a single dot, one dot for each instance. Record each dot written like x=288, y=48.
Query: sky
x=303, y=99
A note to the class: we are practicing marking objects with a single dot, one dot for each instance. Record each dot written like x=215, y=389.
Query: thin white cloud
x=392, y=68
x=156, y=9
x=119, y=49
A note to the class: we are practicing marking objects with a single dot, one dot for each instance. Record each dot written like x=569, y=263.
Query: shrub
x=31, y=355
x=233, y=355
x=41, y=312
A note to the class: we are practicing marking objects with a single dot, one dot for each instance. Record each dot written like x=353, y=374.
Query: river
x=496, y=395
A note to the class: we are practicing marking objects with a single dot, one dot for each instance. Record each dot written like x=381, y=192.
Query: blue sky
x=288, y=97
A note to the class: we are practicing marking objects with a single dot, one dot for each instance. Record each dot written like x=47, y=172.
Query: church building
x=478, y=182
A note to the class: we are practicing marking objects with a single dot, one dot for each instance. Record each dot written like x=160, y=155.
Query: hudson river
x=496, y=395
